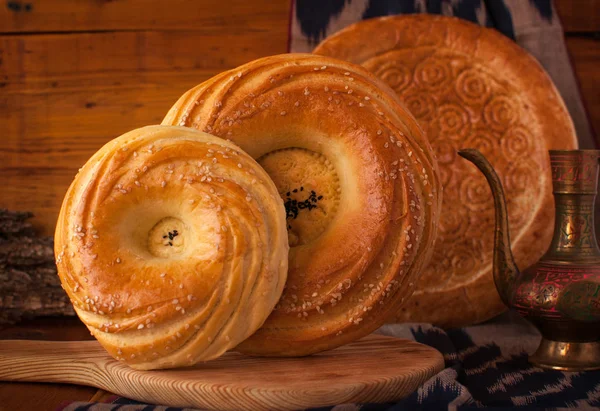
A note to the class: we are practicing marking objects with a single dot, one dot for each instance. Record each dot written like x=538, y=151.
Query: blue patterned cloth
x=486, y=367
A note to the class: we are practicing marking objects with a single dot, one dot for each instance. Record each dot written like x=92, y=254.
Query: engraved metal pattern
x=561, y=293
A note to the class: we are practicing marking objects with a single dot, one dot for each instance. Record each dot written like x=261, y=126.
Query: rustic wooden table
x=76, y=73
x=34, y=396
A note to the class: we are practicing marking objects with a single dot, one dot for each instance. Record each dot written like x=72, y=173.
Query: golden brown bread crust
x=469, y=87
x=344, y=282
x=171, y=244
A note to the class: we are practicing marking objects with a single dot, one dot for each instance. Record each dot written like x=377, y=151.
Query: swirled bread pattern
x=172, y=246
x=358, y=180
x=469, y=87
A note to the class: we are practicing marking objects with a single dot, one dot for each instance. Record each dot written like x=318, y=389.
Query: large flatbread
x=469, y=87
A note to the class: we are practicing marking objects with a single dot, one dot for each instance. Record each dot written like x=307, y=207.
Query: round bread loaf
x=469, y=87
x=359, y=184
x=171, y=244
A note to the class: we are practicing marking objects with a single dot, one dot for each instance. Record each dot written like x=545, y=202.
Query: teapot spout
x=505, y=268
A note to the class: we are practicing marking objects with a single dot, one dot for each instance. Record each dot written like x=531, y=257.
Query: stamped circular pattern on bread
x=469, y=87
x=172, y=247
x=358, y=180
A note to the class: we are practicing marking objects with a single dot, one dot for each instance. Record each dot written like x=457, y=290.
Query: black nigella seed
x=171, y=244
x=292, y=207
x=164, y=236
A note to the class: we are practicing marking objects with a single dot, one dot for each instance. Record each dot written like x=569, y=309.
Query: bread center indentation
x=167, y=237
x=309, y=186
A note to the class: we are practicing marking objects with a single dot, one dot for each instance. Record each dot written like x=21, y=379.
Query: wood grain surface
x=27, y=396
x=373, y=369
x=585, y=56
x=74, y=74
x=35, y=16
x=579, y=15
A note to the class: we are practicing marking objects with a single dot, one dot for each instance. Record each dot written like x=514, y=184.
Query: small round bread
x=172, y=247
x=359, y=184
x=469, y=87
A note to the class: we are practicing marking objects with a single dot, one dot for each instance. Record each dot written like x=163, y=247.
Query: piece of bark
x=29, y=284
x=14, y=223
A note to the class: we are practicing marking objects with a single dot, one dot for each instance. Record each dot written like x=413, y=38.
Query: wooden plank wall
x=581, y=22
x=76, y=73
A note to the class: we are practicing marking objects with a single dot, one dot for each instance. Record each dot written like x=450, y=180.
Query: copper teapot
x=560, y=294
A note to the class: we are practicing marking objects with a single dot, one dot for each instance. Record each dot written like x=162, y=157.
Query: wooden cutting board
x=373, y=369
